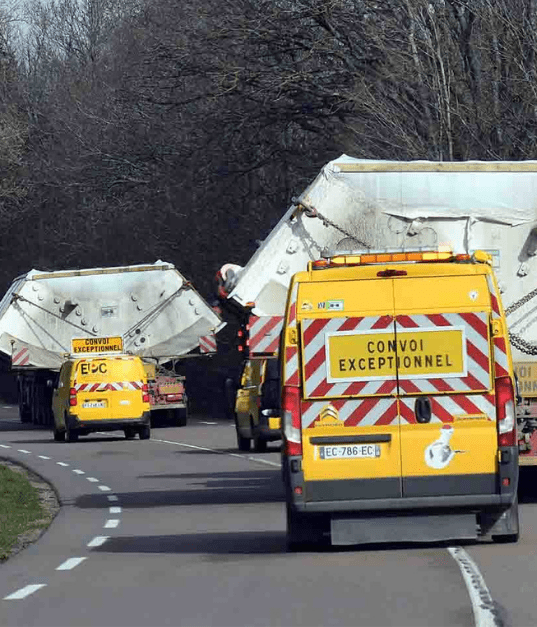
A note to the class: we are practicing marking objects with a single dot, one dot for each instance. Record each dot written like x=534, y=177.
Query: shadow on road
x=211, y=489
x=527, y=485
x=245, y=543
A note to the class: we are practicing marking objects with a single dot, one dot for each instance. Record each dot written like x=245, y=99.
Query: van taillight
x=505, y=412
x=291, y=420
x=72, y=397
x=145, y=391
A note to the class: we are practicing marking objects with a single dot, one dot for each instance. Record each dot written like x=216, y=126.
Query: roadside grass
x=21, y=513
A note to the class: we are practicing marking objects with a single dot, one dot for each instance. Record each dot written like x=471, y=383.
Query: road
x=182, y=530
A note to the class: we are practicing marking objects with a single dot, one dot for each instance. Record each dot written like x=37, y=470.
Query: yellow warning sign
x=414, y=353
x=90, y=345
x=526, y=372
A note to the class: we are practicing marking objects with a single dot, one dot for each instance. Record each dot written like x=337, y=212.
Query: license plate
x=170, y=388
x=349, y=451
x=94, y=405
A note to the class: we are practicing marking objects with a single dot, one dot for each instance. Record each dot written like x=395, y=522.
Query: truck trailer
x=152, y=308
x=358, y=205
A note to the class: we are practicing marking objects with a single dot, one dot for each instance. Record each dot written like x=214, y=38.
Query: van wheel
x=303, y=530
x=243, y=444
x=71, y=435
x=145, y=432
x=59, y=436
x=130, y=433
x=512, y=523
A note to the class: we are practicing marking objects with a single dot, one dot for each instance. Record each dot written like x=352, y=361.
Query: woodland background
x=137, y=130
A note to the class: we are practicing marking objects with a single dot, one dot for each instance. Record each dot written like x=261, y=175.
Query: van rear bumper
x=109, y=425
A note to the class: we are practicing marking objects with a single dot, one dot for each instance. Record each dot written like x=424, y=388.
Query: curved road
x=183, y=530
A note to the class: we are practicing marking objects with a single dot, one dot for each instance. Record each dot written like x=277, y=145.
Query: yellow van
x=257, y=417
x=397, y=401
x=105, y=393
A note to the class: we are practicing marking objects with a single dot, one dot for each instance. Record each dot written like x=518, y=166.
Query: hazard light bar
x=355, y=258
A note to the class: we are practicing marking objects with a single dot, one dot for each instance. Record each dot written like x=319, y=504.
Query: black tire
x=303, y=530
x=510, y=538
x=71, y=435
x=181, y=417
x=130, y=433
x=145, y=432
x=243, y=444
x=260, y=445
x=59, y=436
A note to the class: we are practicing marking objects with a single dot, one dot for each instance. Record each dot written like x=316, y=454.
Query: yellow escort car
x=101, y=393
x=398, y=401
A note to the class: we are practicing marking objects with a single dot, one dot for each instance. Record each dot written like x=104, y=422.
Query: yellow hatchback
x=105, y=393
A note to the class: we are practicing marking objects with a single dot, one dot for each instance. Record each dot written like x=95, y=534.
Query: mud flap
x=502, y=524
x=346, y=531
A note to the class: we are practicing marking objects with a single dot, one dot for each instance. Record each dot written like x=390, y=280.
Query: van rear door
x=445, y=384
x=350, y=418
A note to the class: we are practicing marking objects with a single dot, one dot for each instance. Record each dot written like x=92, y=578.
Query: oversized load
x=358, y=204
x=153, y=309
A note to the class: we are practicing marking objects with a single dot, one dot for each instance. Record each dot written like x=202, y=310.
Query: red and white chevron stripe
x=291, y=352
x=501, y=363
x=476, y=336
x=264, y=334
x=116, y=386
x=445, y=407
x=208, y=343
x=20, y=357
x=362, y=412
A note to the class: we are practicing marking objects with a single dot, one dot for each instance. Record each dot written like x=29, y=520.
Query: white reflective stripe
x=501, y=358
x=262, y=336
x=291, y=366
x=450, y=405
x=348, y=408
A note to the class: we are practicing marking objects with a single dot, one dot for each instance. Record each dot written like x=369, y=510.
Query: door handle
x=352, y=439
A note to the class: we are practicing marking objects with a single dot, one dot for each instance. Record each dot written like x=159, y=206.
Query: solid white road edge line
x=112, y=523
x=98, y=541
x=71, y=563
x=483, y=606
x=24, y=592
x=212, y=450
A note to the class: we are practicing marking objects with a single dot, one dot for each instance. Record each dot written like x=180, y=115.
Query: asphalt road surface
x=183, y=530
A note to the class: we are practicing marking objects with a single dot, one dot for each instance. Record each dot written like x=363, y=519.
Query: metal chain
x=521, y=302
x=523, y=345
x=311, y=212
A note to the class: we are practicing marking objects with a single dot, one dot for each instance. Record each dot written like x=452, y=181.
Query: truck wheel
x=59, y=436
x=513, y=524
x=145, y=432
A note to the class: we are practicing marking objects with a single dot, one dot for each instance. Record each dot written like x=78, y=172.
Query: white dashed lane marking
x=71, y=563
x=78, y=472
x=21, y=450
x=115, y=510
x=62, y=464
x=24, y=592
x=112, y=523
x=104, y=488
x=92, y=479
x=112, y=497
x=5, y=446
x=98, y=541
x=43, y=457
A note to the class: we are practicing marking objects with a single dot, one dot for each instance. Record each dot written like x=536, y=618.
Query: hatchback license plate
x=94, y=405
x=349, y=451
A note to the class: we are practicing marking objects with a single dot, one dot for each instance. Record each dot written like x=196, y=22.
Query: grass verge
x=26, y=508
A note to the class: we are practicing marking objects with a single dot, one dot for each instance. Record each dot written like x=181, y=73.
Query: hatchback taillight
x=291, y=420
x=505, y=412
x=145, y=391
x=72, y=397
